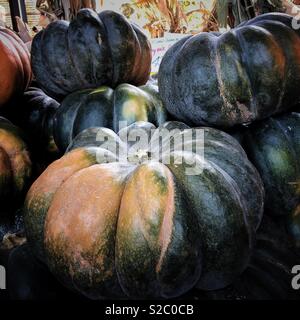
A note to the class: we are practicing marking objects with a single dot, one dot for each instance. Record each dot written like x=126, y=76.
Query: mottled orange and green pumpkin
x=15, y=69
x=15, y=164
x=136, y=225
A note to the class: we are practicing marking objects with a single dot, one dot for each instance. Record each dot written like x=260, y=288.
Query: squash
x=15, y=164
x=273, y=146
x=92, y=50
x=38, y=117
x=33, y=112
x=113, y=218
x=105, y=107
x=245, y=74
x=15, y=69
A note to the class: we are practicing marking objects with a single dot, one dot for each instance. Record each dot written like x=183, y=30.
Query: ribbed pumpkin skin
x=273, y=146
x=15, y=69
x=105, y=107
x=92, y=50
x=38, y=117
x=145, y=229
x=15, y=164
x=245, y=74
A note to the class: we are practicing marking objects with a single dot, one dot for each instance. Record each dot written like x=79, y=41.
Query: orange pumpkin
x=15, y=68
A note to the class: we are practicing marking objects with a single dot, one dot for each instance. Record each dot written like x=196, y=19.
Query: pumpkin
x=247, y=73
x=268, y=276
x=143, y=224
x=15, y=164
x=38, y=116
x=105, y=107
x=92, y=50
x=15, y=69
x=273, y=146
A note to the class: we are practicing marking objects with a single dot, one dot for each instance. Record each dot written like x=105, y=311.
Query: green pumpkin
x=37, y=118
x=142, y=224
x=15, y=165
x=105, y=107
x=90, y=51
x=273, y=146
x=245, y=74
x=33, y=112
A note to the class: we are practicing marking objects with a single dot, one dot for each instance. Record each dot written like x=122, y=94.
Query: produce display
x=15, y=164
x=105, y=107
x=155, y=215
x=112, y=187
x=15, y=70
x=248, y=73
x=118, y=53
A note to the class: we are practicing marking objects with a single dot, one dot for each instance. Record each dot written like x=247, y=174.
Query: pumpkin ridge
x=142, y=74
x=138, y=55
x=81, y=58
x=264, y=25
x=165, y=68
x=53, y=41
x=284, y=72
x=37, y=63
x=288, y=138
x=108, y=16
x=117, y=221
x=60, y=121
x=242, y=42
x=210, y=176
x=183, y=113
x=142, y=209
x=37, y=200
x=150, y=248
x=92, y=255
x=93, y=72
x=126, y=178
x=73, y=64
x=75, y=118
x=138, y=50
x=24, y=55
x=165, y=231
x=16, y=60
x=226, y=105
x=18, y=57
x=242, y=201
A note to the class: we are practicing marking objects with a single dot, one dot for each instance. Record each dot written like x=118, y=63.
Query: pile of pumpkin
x=146, y=229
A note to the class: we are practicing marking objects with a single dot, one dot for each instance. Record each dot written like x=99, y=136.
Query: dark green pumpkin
x=15, y=165
x=92, y=50
x=105, y=107
x=33, y=112
x=146, y=228
x=245, y=74
x=273, y=146
x=37, y=121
